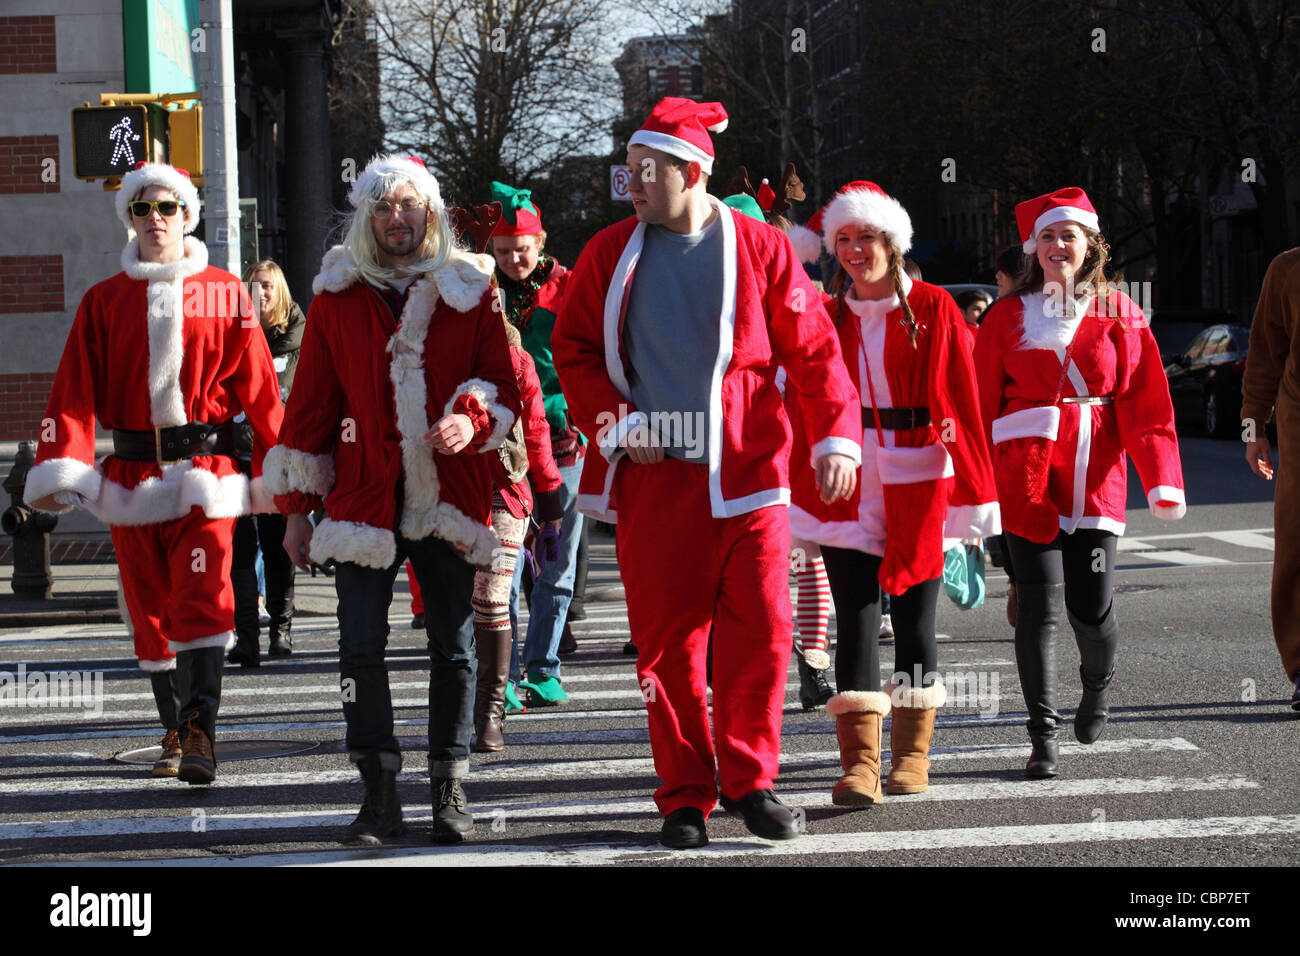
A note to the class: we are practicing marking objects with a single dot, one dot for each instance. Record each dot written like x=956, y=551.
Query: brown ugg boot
x=859, y=717
x=910, y=730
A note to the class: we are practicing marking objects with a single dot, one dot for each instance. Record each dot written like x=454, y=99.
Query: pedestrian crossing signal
x=108, y=141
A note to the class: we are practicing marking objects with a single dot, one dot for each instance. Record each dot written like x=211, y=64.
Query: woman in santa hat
x=1070, y=381
x=925, y=481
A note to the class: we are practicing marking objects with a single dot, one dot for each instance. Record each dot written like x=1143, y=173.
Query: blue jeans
x=447, y=582
x=553, y=586
x=514, y=616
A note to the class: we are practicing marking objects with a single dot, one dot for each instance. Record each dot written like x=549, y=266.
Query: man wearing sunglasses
x=404, y=378
x=165, y=355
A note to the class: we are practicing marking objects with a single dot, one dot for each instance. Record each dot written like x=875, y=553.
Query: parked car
x=1205, y=380
x=1174, y=329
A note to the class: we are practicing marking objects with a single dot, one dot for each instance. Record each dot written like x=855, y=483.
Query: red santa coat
x=922, y=489
x=158, y=345
x=771, y=315
x=543, y=475
x=368, y=389
x=1018, y=358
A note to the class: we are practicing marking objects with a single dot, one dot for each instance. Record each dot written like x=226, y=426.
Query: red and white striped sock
x=812, y=612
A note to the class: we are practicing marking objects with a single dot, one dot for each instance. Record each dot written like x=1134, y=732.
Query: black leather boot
x=814, y=691
x=1097, y=647
x=246, y=652
x=280, y=607
x=381, y=811
x=452, y=821
x=198, y=678
x=1036, y=624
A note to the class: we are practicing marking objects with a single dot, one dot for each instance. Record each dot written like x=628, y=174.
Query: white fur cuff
x=1167, y=512
x=352, y=541
x=817, y=660
x=286, y=470
x=612, y=440
x=485, y=393
x=158, y=667
x=917, y=698
x=1041, y=421
x=973, y=521
x=62, y=474
x=837, y=446
x=858, y=702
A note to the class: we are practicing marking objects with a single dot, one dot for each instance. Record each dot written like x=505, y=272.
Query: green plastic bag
x=963, y=575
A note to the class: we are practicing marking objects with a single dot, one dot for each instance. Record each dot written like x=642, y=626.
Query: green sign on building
x=162, y=42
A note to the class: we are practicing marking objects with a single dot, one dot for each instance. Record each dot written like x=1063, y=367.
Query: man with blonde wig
x=403, y=379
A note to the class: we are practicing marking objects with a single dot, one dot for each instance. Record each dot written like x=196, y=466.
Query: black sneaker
x=764, y=814
x=452, y=821
x=684, y=830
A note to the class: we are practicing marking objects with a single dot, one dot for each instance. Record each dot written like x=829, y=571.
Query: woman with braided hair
x=925, y=481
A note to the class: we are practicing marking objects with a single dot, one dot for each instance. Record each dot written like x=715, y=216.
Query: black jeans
x=1083, y=561
x=265, y=532
x=855, y=589
x=447, y=584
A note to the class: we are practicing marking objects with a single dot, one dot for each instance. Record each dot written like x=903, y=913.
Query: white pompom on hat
x=681, y=128
x=806, y=243
x=159, y=174
x=410, y=168
x=864, y=203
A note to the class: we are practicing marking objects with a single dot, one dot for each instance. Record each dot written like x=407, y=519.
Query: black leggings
x=855, y=589
x=1084, y=561
x=267, y=532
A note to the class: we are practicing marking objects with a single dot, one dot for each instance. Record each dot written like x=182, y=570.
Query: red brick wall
x=27, y=45
x=22, y=161
x=31, y=284
x=22, y=403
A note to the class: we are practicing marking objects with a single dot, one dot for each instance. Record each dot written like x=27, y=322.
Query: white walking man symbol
x=123, y=136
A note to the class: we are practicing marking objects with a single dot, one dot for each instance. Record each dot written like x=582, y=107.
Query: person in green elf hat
x=533, y=286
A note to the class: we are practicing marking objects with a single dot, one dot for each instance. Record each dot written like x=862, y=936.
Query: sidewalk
x=84, y=589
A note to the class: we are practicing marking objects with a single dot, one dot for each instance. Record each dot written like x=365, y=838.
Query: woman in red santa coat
x=925, y=479
x=1070, y=381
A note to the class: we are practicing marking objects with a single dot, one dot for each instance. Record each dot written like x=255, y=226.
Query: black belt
x=166, y=445
x=897, y=419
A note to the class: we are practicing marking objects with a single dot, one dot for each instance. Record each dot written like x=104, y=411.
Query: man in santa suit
x=1071, y=380
x=403, y=379
x=667, y=347
x=165, y=354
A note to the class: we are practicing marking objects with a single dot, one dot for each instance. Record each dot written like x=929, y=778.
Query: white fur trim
x=354, y=542
x=862, y=207
x=337, y=271
x=904, y=466
x=673, y=146
x=222, y=640
x=858, y=702
x=817, y=660
x=62, y=475
x=287, y=470
x=1059, y=214
x=835, y=445
x=464, y=279
x=485, y=393
x=158, y=174
x=850, y=535
x=1041, y=421
x=917, y=698
x=158, y=667
x=612, y=441
x=1167, y=493
x=807, y=244
x=192, y=263
x=1047, y=325
x=180, y=488
x=973, y=521
x=419, y=176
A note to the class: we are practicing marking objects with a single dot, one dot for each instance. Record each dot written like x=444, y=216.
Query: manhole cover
x=228, y=750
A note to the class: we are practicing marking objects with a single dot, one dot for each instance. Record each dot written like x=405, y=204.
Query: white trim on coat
x=1039, y=421
x=726, y=341
x=850, y=535
x=223, y=640
x=835, y=445
x=973, y=521
x=597, y=506
x=904, y=466
x=287, y=470
x=62, y=475
x=158, y=667
x=486, y=394
x=1167, y=493
x=180, y=488
x=612, y=441
x=1093, y=523
x=352, y=541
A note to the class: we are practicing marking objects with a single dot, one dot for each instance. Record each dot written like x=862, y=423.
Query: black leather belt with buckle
x=897, y=419
x=179, y=443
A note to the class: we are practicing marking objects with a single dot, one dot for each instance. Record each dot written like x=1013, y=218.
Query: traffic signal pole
x=221, y=152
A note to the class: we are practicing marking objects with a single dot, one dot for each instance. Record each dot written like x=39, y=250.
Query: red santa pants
x=176, y=582
x=685, y=571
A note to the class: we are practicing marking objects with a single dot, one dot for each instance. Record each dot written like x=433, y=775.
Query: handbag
x=963, y=575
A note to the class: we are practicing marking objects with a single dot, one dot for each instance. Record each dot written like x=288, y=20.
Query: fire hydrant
x=30, y=529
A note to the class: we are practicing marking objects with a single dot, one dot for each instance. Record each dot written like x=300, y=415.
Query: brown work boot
x=490, y=694
x=859, y=716
x=169, y=764
x=910, y=730
x=198, y=766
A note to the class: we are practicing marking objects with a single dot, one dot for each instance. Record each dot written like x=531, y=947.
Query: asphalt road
x=1198, y=766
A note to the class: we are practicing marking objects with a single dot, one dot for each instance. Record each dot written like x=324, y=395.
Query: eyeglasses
x=166, y=208
x=385, y=210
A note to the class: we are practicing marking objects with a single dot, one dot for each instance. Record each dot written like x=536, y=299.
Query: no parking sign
x=619, y=179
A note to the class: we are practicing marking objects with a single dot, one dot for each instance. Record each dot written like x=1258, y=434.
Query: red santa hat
x=1064, y=205
x=865, y=204
x=681, y=128
x=176, y=181
x=410, y=168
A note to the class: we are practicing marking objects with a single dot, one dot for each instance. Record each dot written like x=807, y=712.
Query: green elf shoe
x=544, y=690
